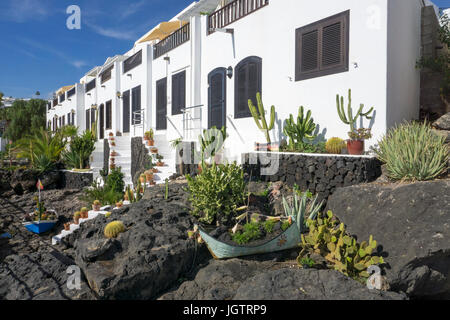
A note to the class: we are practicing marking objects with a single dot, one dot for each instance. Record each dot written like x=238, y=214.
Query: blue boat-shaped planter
x=39, y=227
x=289, y=239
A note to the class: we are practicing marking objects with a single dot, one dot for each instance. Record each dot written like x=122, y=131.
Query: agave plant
x=300, y=209
x=412, y=151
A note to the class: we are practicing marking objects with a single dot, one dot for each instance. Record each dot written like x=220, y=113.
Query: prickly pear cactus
x=328, y=238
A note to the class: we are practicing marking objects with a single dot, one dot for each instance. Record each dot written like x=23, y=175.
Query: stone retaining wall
x=321, y=174
x=76, y=180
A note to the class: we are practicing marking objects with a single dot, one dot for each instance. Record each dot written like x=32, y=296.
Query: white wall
x=404, y=50
x=270, y=34
x=108, y=91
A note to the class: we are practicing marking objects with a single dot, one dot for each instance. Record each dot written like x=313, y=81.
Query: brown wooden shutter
x=322, y=48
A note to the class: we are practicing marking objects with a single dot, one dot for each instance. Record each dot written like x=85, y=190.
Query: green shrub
x=115, y=181
x=328, y=238
x=216, y=192
x=80, y=149
x=251, y=232
x=412, y=151
x=102, y=193
x=285, y=225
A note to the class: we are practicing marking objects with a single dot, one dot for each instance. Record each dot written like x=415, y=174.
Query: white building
x=295, y=52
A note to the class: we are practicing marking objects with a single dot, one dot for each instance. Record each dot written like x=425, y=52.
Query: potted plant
x=335, y=145
x=154, y=150
x=67, y=226
x=355, y=145
x=113, y=153
x=112, y=166
x=111, y=134
x=76, y=217
x=148, y=136
x=159, y=163
x=155, y=170
x=259, y=115
x=148, y=175
x=113, y=144
x=118, y=134
x=119, y=204
x=96, y=205
x=84, y=213
x=142, y=178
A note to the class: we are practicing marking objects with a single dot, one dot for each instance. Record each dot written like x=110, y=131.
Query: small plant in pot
x=149, y=175
x=154, y=150
x=84, y=213
x=160, y=163
x=355, y=145
x=148, y=136
x=113, y=153
x=111, y=134
x=113, y=144
x=119, y=204
x=76, y=217
x=67, y=226
x=96, y=205
x=142, y=178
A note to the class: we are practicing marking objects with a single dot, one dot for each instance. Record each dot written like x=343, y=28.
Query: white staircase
x=164, y=149
x=123, y=158
x=96, y=160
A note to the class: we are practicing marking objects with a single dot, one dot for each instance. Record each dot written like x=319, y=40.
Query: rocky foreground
x=154, y=259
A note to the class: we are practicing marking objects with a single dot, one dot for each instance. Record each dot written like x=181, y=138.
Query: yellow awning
x=64, y=89
x=163, y=30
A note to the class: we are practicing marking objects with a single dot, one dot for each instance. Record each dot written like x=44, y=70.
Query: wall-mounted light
x=230, y=72
x=88, y=93
x=103, y=86
x=119, y=95
x=72, y=111
x=167, y=59
x=94, y=106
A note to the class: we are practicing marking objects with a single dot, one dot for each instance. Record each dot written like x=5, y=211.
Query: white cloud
x=112, y=33
x=130, y=9
x=24, y=10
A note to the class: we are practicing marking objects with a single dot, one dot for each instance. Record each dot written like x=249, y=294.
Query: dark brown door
x=161, y=104
x=217, y=98
x=102, y=121
x=126, y=111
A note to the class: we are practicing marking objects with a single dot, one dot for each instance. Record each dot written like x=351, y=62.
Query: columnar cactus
x=349, y=118
x=259, y=115
x=304, y=128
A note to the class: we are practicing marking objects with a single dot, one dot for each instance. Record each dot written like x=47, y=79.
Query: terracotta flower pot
x=266, y=146
x=119, y=204
x=150, y=143
x=96, y=207
x=76, y=220
x=67, y=226
x=84, y=215
x=149, y=177
x=154, y=170
x=142, y=179
x=355, y=147
x=125, y=197
x=154, y=150
x=160, y=164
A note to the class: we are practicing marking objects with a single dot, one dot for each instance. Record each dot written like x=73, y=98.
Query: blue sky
x=38, y=52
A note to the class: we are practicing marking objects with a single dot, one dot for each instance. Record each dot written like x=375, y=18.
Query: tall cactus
x=259, y=115
x=304, y=127
x=349, y=119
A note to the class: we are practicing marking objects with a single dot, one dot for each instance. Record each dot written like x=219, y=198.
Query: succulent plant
x=77, y=215
x=96, y=203
x=349, y=118
x=335, y=145
x=113, y=229
x=259, y=115
x=84, y=209
x=328, y=238
x=300, y=209
x=303, y=128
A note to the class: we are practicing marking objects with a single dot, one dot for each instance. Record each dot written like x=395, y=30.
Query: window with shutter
x=217, y=98
x=248, y=82
x=322, y=48
x=178, y=92
x=132, y=62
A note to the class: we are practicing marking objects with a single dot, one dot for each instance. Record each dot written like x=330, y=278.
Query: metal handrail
x=188, y=118
x=140, y=116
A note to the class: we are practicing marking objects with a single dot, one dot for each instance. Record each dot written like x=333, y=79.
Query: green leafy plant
x=102, y=193
x=307, y=262
x=114, y=180
x=80, y=149
x=285, y=225
x=216, y=192
x=269, y=225
x=411, y=151
x=259, y=115
x=349, y=118
x=327, y=237
x=300, y=130
x=251, y=231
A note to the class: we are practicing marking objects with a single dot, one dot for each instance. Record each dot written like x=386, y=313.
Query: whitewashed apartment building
x=215, y=55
